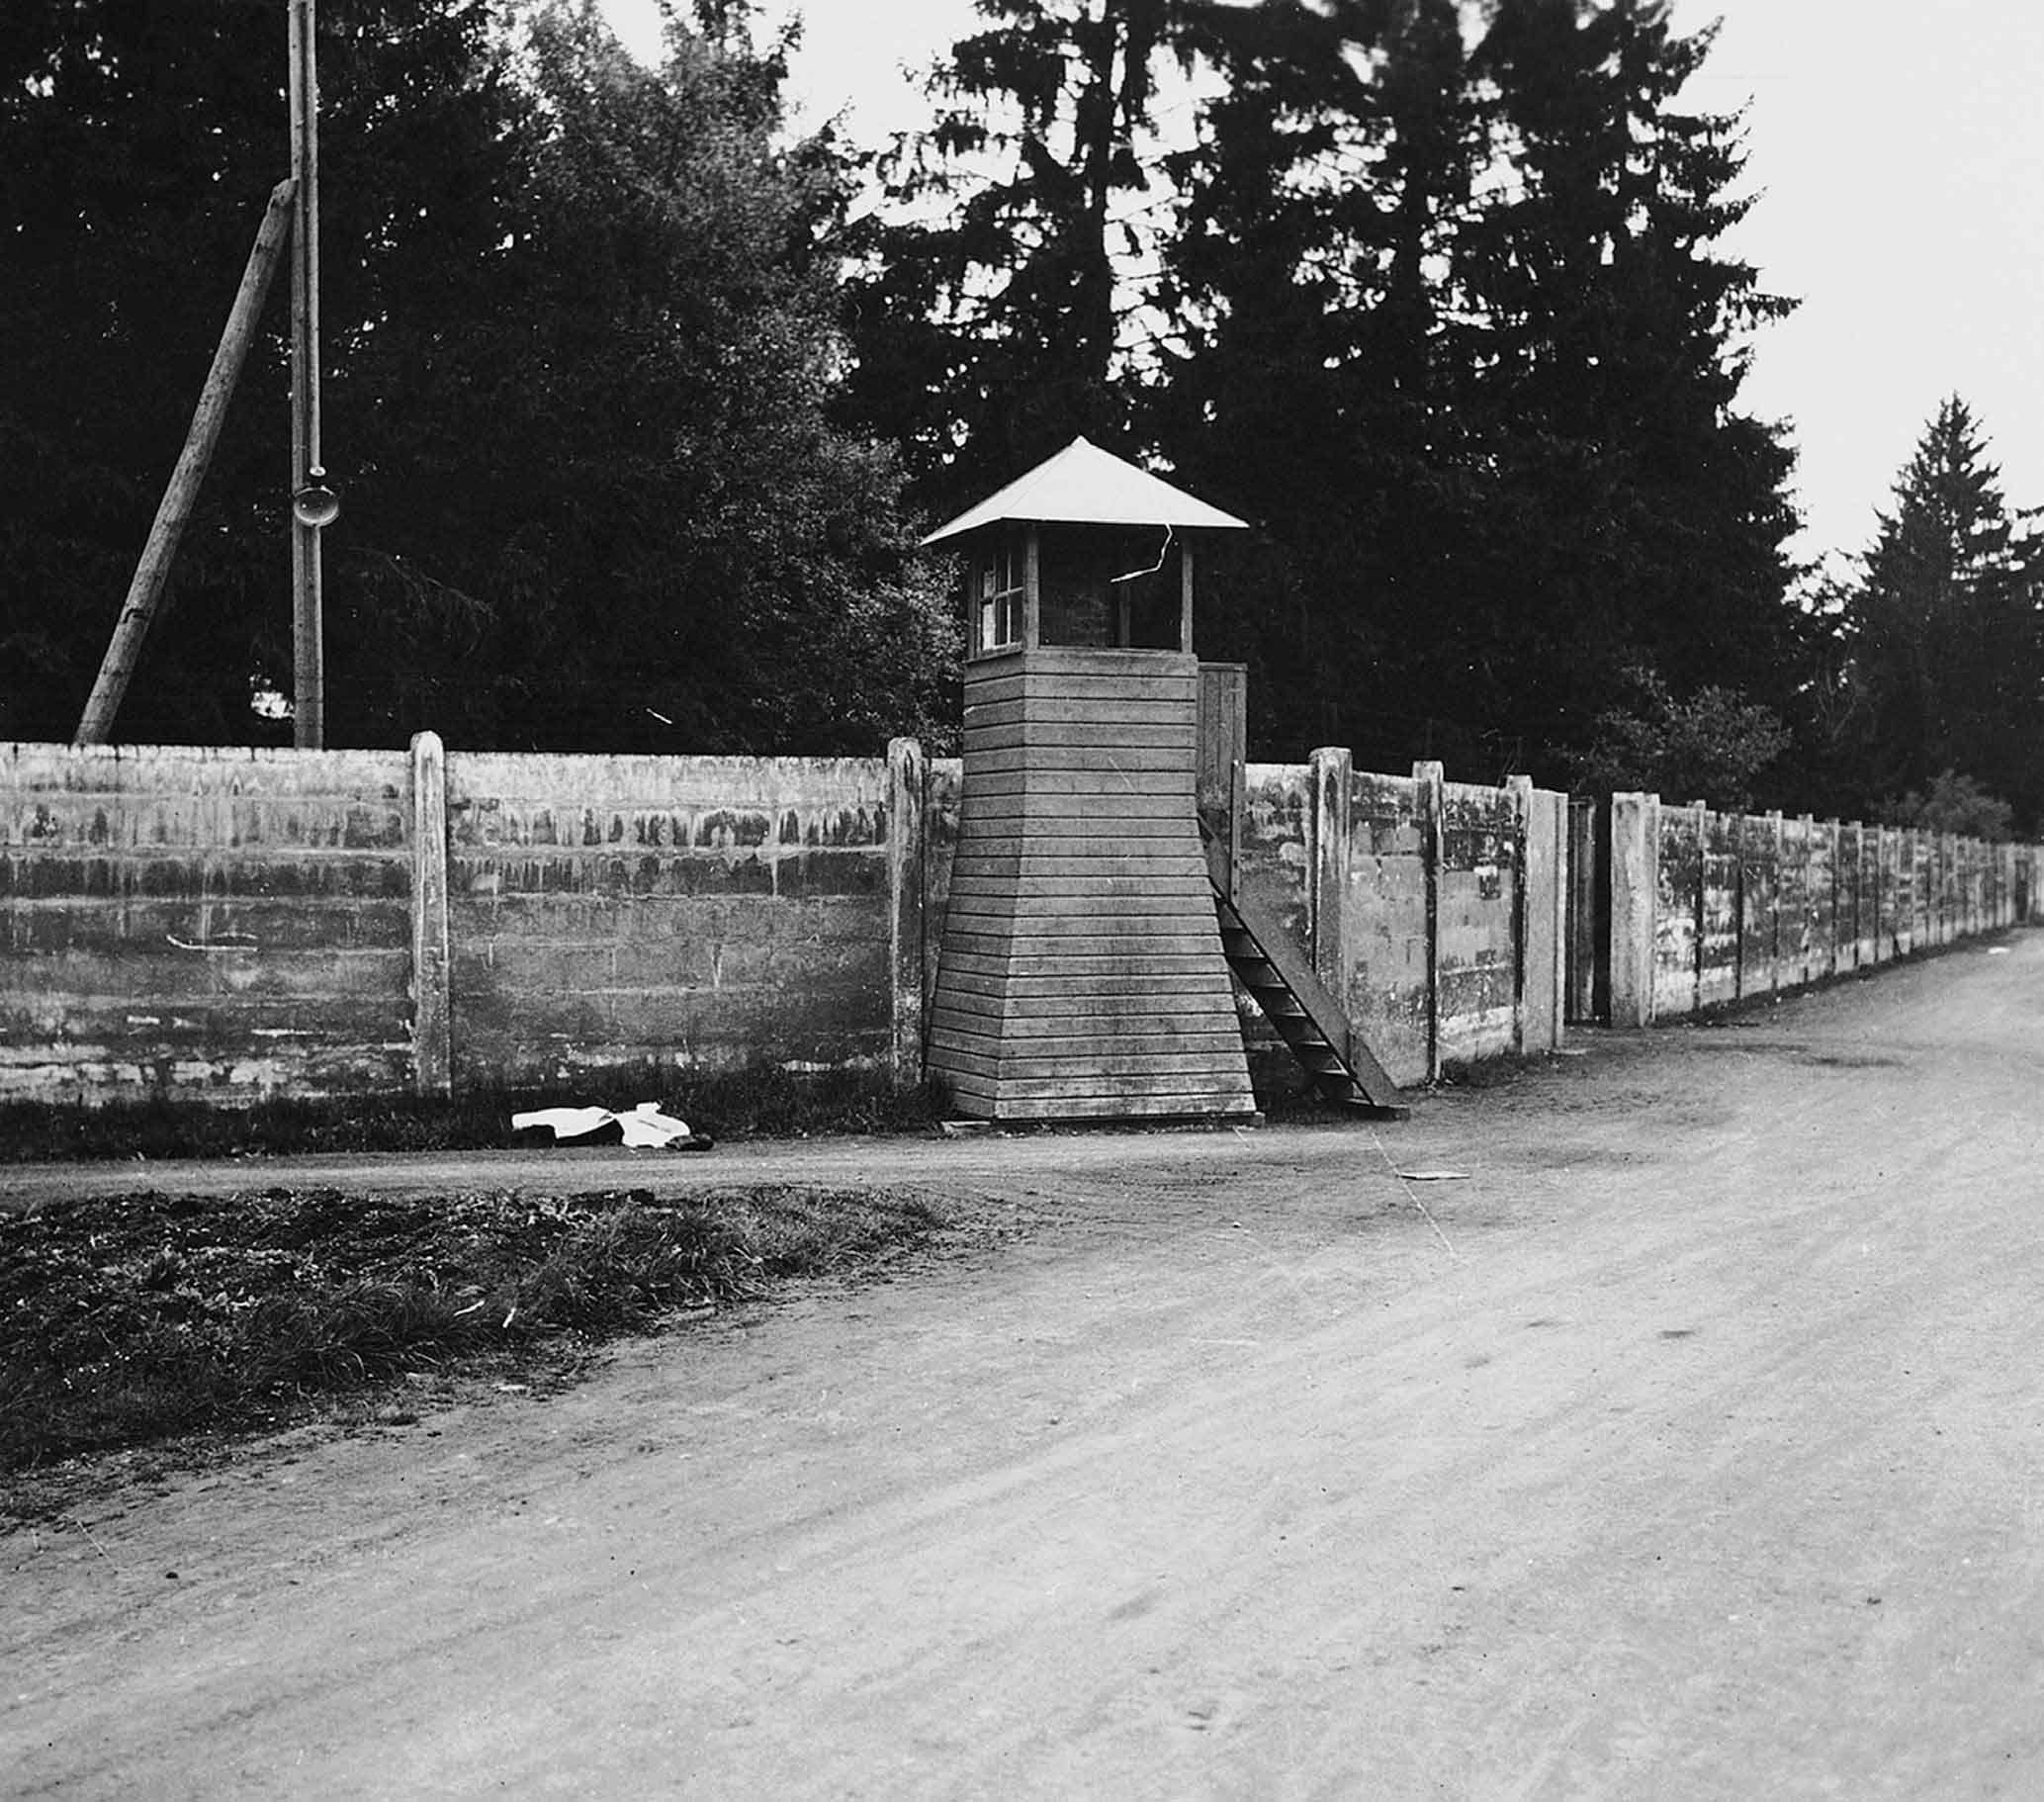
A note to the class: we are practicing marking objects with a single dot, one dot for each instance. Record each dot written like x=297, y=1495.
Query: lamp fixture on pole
x=314, y=504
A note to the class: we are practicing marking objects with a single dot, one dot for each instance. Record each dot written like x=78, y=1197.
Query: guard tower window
x=1113, y=586
x=999, y=581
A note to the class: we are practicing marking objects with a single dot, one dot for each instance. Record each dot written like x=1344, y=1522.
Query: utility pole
x=312, y=504
x=117, y=668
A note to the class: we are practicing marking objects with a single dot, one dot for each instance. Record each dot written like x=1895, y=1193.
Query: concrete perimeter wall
x=1710, y=908
x=1433, y=910
x=218, y=924
x=224, y=924
x=705, y=913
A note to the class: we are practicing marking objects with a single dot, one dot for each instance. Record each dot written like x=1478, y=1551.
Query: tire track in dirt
x=1702, y=1467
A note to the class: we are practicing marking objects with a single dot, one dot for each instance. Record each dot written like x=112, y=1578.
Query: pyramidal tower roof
x=1084, y=485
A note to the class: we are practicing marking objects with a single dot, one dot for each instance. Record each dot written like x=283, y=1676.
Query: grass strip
x=739, y=1105
x=127, y=1321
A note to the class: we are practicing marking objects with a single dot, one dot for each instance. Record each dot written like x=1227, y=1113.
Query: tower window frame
x=999, y=578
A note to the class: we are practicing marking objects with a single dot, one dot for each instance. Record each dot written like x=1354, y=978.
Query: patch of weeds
x=735, y=1105
x=131, y=1319
x=1499, y=1072
x=1294, y=1107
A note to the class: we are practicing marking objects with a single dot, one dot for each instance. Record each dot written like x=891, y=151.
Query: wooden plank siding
x=1081, y=973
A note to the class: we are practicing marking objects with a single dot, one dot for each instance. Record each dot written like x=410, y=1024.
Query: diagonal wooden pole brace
x=175, y=510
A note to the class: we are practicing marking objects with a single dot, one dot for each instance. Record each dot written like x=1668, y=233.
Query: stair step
x=1305, y=1038
x=1326, y=1064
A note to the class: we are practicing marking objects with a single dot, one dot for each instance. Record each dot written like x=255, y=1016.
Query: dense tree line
x=1443, y=311
x=581, y=342
x=637, y=422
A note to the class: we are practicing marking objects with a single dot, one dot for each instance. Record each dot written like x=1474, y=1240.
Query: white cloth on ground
x=645, y=1127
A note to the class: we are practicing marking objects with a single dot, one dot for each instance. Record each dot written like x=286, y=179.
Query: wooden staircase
x=1306, y=1017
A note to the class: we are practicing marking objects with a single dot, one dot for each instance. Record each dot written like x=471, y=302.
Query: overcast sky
x=1898, y=149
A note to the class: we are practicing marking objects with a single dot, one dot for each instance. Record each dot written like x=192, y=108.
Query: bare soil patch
x=1684, y=1448
x=131, y=1319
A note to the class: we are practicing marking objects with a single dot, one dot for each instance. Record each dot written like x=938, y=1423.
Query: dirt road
x=1692, y=1446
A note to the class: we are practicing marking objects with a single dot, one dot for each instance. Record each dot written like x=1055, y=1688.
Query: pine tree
x=995, y=316
x=1306, y=384
x=1943, y=634
x=1476, y=366
x=1645, y=515
x=1438, y=301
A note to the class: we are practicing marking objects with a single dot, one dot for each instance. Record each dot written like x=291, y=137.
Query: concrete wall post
x=1429, y=803
x=1894, y=892
x=908, y=879
x=1909, y=853
x=1804, y=942
x=1634, y=878
x=432, y=1014
x=1543, y=914
x=1777, y=933
x=1937, y=912
x=1857, y=830
x=1695, y=904
x=1329, y=845
x=1565, y=883
x=1844, y=902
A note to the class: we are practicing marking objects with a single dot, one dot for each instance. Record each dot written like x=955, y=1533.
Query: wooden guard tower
x=1081, y=973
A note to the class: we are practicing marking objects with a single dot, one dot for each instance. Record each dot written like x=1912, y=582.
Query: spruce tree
x=1625, y=513
x=1942, y=632
x=996, y=313
x=1308, y=380
x=1438, y=300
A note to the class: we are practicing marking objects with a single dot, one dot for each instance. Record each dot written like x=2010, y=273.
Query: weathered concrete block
x=1330, y=809
x=1719, y=914
x=1385, y=932
x=1476, y=922
x=1678, y=876
x=811, y=873
x=1634, y=891
x=1543, y=908
x=1760, y=854
x=1277, y=865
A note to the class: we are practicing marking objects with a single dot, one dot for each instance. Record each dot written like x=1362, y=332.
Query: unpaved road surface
x=1691, y=1446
